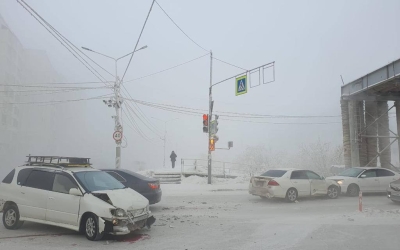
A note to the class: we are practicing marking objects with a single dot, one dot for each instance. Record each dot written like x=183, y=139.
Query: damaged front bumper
x=122, y=226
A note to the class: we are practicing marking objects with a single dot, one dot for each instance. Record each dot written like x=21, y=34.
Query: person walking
x=173, y=158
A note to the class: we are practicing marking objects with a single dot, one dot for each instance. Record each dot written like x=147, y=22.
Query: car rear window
x=9, y=177
x=274, y=173
x=116, y=176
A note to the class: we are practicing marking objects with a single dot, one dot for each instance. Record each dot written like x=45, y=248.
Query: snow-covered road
x=225, y=216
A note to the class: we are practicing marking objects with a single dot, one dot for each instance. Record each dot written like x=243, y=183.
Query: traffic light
x=212, y=144
x=205, y=123
x=216, y=124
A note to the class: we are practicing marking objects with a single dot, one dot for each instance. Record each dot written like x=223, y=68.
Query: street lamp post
x=116, y=102
x=165, y=133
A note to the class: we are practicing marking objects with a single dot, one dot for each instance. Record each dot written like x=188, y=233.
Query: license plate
x=259, y=183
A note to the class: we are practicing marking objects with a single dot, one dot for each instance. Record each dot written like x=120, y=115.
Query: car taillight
x=154, y=186
x=273, y=183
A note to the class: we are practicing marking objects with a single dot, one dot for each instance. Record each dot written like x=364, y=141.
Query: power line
x=48, y=88
x=228, y=114
x=87, y=65
x=141, y=112
x=161, y=71
x=49, y=83
x=193, y=113
x=137, y=42
x=282, y=123
x=151, y=129
x=180, y=28
x=54, y=102
x=229, y=64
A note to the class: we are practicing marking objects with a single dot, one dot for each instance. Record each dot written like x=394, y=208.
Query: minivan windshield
x=351, y=172
x=98, y=180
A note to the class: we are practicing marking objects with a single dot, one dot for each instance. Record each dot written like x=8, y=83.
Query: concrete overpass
x=364, y=103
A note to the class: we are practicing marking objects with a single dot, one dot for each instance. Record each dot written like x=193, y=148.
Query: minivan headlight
x=118, y=212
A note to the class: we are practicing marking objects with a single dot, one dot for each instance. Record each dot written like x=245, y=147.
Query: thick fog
x=312, y=43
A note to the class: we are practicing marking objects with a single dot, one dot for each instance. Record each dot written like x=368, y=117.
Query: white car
x=369, y=180
x=292, y=183
x=79, y=198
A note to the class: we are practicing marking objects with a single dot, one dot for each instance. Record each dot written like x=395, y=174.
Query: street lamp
x=165, y=133
x=116, y=103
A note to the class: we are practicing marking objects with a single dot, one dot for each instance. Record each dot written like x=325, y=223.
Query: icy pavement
x=225, y=216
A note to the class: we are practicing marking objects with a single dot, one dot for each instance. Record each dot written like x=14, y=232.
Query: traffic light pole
x=210, y=106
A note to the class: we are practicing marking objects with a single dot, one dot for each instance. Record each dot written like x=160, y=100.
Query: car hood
x=126, y=198
x=338, y=178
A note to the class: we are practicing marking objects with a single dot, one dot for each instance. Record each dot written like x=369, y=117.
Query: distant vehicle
x=366, y=179
x=148, y=187
x=393, y=191
x=291, y=184
x=72, y=195
x=336, y=169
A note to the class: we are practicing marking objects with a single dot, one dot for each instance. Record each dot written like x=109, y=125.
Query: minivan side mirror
x=75, y=191
x=322, y=177
x=363, y=176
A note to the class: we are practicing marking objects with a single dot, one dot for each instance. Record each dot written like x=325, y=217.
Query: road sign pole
x=209, y=120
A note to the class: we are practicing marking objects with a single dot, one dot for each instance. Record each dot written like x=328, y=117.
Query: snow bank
x=194, y=179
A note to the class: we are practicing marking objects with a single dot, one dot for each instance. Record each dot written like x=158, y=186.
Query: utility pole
x=118, y=127
x=116, y=102
x=210, y=105
x=241, y=88
x=165, y=140
x=165, y=134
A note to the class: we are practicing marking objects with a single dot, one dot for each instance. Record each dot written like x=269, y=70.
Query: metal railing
x=220, y=168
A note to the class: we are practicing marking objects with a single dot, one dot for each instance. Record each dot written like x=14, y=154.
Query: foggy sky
x=312, y=43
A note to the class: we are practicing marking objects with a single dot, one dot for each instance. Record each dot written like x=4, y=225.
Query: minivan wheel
x=11, y=218
x=333, y=192
x=291, y=195
x=92, y=228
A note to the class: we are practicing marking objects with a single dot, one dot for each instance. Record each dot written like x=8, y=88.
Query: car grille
x=395, y=187
x=137, y=212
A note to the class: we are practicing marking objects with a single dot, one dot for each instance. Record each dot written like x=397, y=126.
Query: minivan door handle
x=51, y=198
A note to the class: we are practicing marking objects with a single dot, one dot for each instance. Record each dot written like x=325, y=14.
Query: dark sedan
x=393, y=191
x=148, y=187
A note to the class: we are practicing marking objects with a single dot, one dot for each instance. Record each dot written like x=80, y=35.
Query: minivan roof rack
x=57, y=161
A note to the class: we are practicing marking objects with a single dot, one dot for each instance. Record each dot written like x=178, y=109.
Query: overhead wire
x=170, y=18
x=137, y=42
x=167, y=69
x=49, y=83
x=142, y=113
x=197, y=44
x=227, y=113
x=87, y=65
x=194, y=113
x=130, y=107
x=55, y=102
x=229, y=64
x=66, y=40
x=135, y=125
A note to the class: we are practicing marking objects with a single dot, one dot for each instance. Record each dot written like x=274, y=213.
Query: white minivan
x=80, y=198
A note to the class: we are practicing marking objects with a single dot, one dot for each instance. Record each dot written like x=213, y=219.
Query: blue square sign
x=241, y=85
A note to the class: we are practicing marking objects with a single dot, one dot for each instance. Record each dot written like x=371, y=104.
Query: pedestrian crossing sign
x=241, y=85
